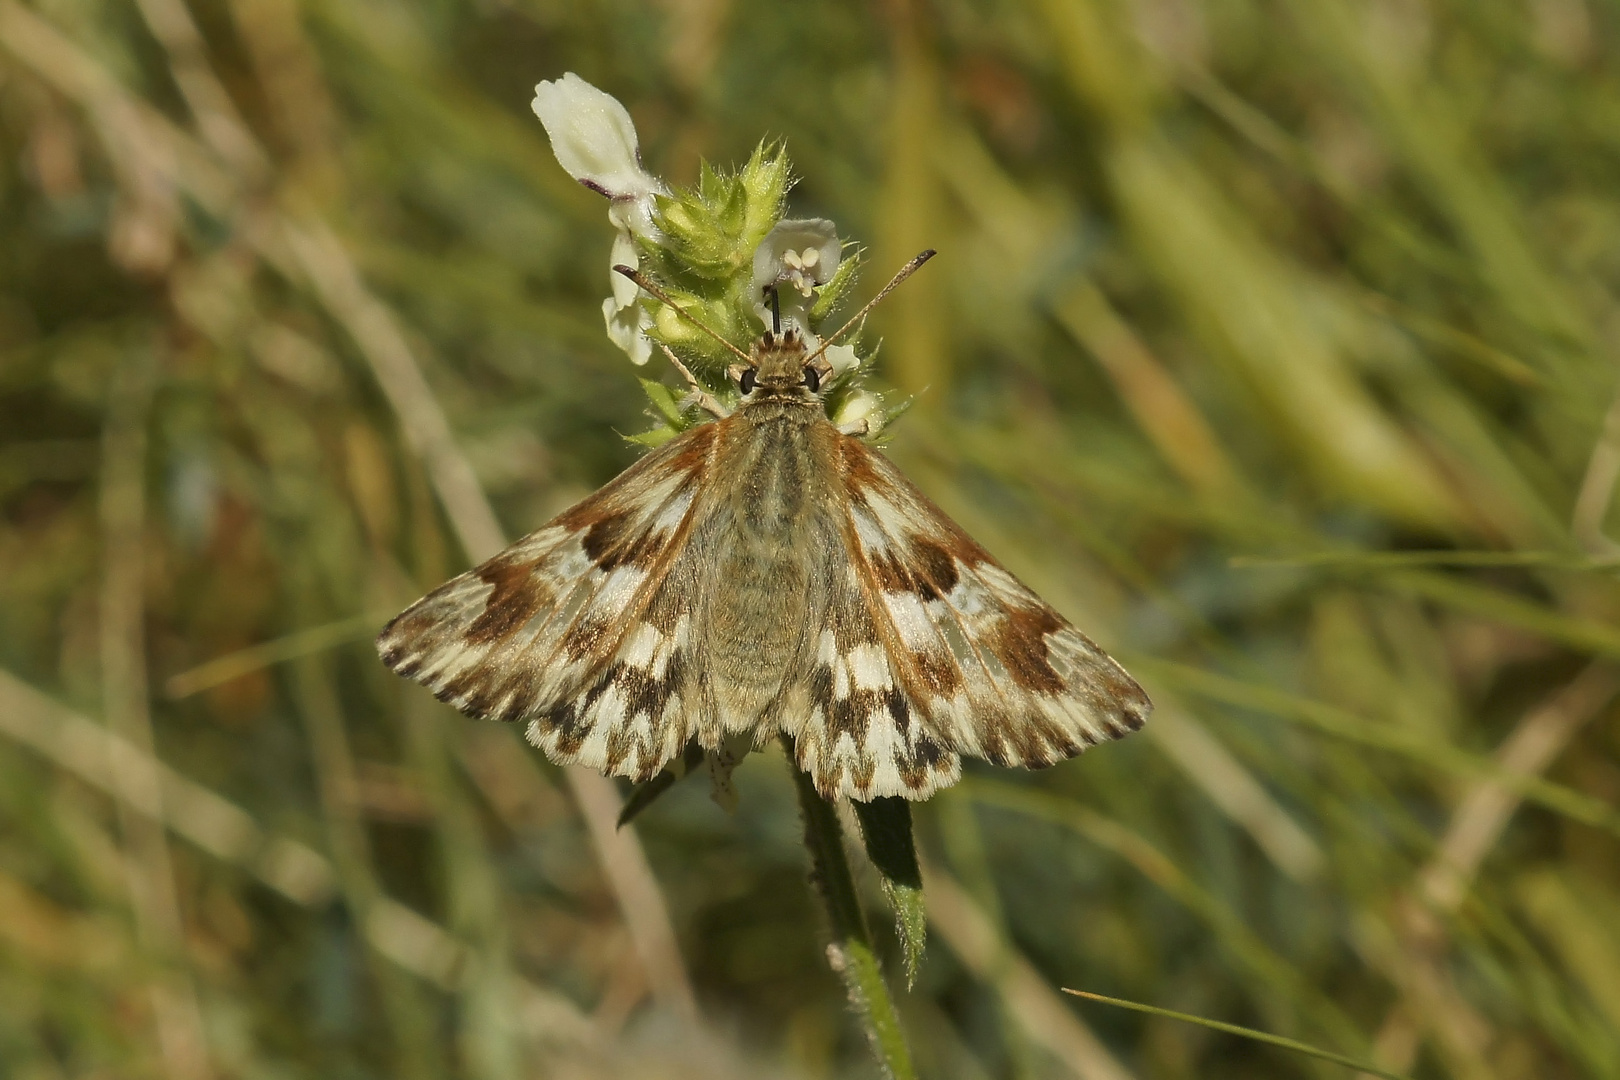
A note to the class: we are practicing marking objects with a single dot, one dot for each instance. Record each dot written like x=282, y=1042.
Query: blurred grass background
x=1273, y=340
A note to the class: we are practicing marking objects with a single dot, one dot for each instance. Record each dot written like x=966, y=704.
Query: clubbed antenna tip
x=905, y=271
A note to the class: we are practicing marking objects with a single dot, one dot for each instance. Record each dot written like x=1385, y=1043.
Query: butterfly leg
x=700, y=397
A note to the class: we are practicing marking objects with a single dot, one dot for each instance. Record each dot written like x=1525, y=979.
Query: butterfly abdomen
x=759, y=600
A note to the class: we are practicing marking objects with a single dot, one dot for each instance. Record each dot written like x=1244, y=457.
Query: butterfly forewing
x=993, y=669
x=551, y=630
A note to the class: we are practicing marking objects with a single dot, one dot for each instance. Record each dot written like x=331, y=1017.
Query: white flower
x=627, y=319
x=792, y=260
x=860, y=406
x=843, y=360
x=595, y=142
x=627, y=326
x=593, y=138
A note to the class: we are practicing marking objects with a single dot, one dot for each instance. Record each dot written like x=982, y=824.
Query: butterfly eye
x=746, y=382
x=812, y=379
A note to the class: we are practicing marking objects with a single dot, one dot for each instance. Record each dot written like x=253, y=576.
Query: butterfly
x=766, y=574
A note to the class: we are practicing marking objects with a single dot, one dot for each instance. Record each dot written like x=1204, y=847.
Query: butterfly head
x=780, y=368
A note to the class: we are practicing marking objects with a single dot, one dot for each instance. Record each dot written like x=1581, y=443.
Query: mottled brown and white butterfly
x=766, y=573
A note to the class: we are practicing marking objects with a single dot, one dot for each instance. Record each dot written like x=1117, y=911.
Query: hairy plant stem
x=850, y=954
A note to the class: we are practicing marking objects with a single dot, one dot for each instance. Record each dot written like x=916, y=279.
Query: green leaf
x=886, y=831
x=654, y=438
x=645, y=794
x=893, y=412
x=665, y=401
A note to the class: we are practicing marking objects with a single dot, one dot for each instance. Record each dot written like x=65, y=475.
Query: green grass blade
x=1248, y=1033
x=1382, y=560
x=223, y=669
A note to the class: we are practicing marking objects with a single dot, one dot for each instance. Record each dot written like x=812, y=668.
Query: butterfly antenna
x=905, y=271
x=646, y=285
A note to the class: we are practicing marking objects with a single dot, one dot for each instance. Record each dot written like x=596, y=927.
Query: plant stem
x=851, y=954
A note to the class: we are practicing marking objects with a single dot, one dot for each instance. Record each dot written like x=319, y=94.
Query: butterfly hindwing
x=855, y=726
x=552, y=630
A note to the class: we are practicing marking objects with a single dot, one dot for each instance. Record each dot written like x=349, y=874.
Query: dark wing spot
x=938, y=670
x=820, y=687
x=640, y=691
x=1019, y=642
x=1066, y=745
x=516, y=708
x=517, y=594
x=936, y=566
x=899, y=709
x=850, y=715
x=604, y=538
x=995, y=749
x=566, y=721
x=925, y=756
x=585, y=637
x=890, y=573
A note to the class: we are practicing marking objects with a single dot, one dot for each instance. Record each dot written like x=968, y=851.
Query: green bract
x=703, y=256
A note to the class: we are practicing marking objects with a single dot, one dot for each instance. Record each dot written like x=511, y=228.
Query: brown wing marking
x=550, y=631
